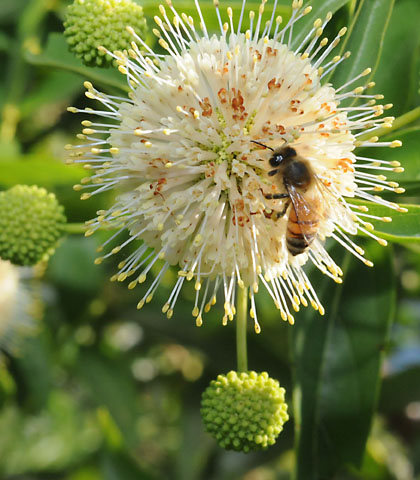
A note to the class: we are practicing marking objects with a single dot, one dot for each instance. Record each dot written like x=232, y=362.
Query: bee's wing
x=308, y=210
x=333, y=209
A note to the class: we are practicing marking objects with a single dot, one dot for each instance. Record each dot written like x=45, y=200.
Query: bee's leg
x=276, y=196
x=276, y=215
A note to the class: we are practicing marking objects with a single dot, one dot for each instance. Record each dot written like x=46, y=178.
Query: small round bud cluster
x=31, y=222
x=93, y=23
x=244, y=411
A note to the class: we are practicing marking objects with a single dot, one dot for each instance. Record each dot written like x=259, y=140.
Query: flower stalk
x=241, y=324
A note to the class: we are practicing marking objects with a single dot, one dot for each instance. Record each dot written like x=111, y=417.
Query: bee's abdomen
x=300, y=233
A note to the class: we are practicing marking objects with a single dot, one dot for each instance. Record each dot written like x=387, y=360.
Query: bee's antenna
x=262, y=145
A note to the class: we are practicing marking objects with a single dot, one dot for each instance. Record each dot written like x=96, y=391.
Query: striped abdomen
x=302, y=226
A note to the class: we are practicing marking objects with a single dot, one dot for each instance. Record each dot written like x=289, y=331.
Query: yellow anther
x=140, y=304
x=169, y=313
x=195, y=311
x=163, y=44
x=290, y=319
x=197, y=286
x=199, y=321
x=367, y=71
x=395, y=144
x=98, y=260
x=342, y=32
x=132, y=284
x=257, y=327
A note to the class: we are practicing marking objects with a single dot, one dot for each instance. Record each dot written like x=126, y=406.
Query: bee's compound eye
x=276, y=159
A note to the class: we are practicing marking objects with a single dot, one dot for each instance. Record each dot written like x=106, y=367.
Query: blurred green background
x=103, y=391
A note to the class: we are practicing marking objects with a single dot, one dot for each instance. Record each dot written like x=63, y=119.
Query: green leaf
x=57, y=55
x=72, y=266
x=209, y=13
x=320, y=10
x=337, y=362
x=397, y=76
x=408, y=155
x=57, y=88
x=364, y=40
x=404, y=227
x=36, y=169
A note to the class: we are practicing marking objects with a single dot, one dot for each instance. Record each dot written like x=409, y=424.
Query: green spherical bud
x=93, y=23
x=244, y=411
x=31, y=222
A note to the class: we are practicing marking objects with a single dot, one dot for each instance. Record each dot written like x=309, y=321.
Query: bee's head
x=280, y=155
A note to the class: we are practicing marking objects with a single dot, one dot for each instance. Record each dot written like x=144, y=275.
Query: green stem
x=241, y=324
x=398, y=123
x=74, y=228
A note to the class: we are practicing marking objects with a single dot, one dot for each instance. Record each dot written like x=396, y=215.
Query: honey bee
x=305, y=192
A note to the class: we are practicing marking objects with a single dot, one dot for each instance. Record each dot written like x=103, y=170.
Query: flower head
x=15, y=303
x=244, y=411
x=190, y=152
x=90, y=23
x=31, y=223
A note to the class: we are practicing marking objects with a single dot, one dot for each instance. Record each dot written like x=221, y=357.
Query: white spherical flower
x=233, y=160
x=15, y=301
